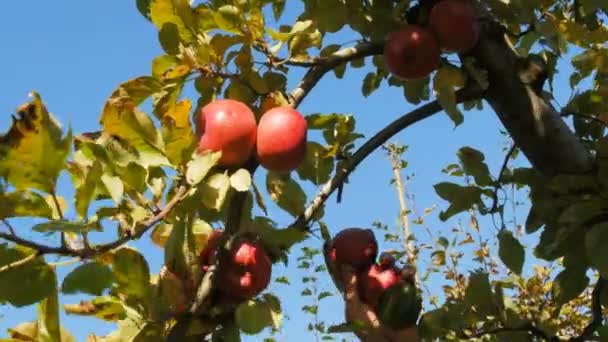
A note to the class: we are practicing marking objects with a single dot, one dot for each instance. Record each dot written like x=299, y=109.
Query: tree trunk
x=536, y=127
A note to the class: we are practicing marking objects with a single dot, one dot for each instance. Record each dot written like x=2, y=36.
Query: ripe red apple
x=374, y=281
x=229, y=126
x=354, y=246
x=454, y=23
x=281, y=139
x=247, y=272
x=411, y=52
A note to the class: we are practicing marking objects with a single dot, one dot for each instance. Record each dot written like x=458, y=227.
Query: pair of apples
x=278, y=140
x=414, y=51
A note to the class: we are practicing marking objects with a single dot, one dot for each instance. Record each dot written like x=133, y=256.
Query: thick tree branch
x=537, y=128
x=317, y=71
x=102, y=248
x=370, y=146
x=525, y=327
x=596, y=310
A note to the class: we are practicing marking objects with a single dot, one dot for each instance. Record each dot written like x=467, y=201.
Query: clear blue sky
x=74, y=53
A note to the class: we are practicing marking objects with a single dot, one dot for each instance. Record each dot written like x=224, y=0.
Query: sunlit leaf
x=24, y=203
x=286, y=193
x=214, y=190
x=254, y=315
x=33, y=151
x=200, y=165
x=241, y=180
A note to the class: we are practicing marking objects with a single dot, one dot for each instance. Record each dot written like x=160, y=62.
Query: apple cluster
x=278, y=140
x=247, y=270
x=414, y=51
x=388, y=289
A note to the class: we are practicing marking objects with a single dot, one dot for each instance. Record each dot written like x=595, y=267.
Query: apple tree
x=182, y=176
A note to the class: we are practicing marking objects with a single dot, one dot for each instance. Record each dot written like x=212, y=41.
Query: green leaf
x=91, y=278
x=180, y=250
x=177, y=133
x=479, y=294
x=169, y=38
x=33, y=151
x=473, y=164
x=121, y=118
x=254, y=315
x=131, y=273
x=114, y=186
x=596, y=241
x=229, y=18
x=259, y=199
x=277, y=8
x=214, y=190
x=165, y=101
x=105, y=308
x=461, y=198
x=200, y=165
x=286, y=193
x=35, y=278
x=511, y=252
x=445, y=81
x=175, y=12
x=67, y=226
x=143, y=6
x=241, y=180
x=87, y=190
x=24, y=203
x=317, y=165
x=569, y=284
x=47, y=323
x=371, y=83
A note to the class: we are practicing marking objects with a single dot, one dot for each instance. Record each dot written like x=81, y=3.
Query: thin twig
x=102, y=248
x=498, y=186
x=20, y=262
x=10, y=227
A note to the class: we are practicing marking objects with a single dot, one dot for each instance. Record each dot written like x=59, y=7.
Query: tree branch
x=371, y=145
x=318, y=70
x=526, y=327
x=10, y=227
x=237, y=202
x=20, y=262
x=596, y=309
x=102, y=248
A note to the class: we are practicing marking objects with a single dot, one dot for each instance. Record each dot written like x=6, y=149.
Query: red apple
x=354, y=246
x=247, y=272
x=374, y=281
x=411, y=52
x=281, y=139
x=454, y=23
x=228, y=126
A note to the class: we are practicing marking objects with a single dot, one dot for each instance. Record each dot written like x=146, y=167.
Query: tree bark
x=536, y=127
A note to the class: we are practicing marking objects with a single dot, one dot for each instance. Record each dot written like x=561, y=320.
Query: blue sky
x=74, y=53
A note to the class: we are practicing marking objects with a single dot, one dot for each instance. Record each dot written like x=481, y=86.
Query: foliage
x=141, y=173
